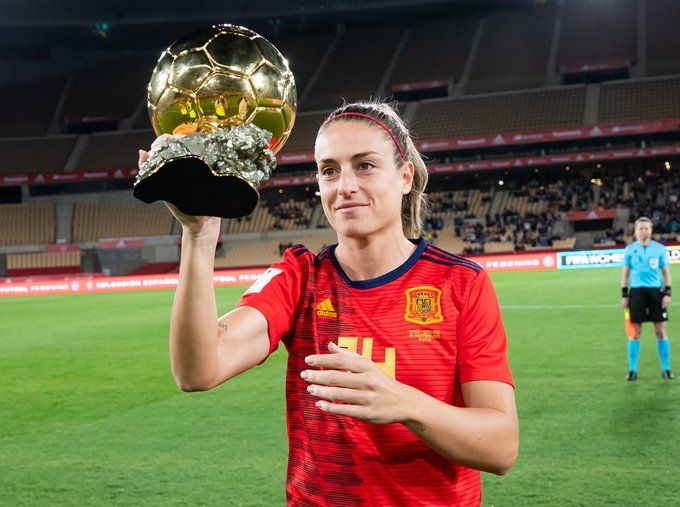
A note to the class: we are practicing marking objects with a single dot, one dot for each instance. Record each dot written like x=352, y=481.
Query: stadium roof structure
x=123, y=23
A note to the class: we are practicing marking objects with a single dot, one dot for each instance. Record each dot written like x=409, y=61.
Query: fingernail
x=310, y=389
x=304, y=374
x=321, y=405
x=309, y=360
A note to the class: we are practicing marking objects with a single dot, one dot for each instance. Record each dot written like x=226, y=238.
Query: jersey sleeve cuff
x=270, y=314
x=493, y=375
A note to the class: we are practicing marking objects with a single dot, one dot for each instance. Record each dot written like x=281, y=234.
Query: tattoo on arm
x=222, y=325
x=418, y=428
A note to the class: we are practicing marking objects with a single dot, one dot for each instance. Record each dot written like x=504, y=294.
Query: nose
x=347, y=183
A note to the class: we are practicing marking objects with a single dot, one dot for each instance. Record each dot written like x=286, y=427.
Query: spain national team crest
x=423, y=305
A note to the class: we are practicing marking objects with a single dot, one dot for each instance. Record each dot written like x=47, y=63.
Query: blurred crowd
x=652, y=194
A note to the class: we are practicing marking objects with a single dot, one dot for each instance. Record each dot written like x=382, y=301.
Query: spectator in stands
x=376, y=281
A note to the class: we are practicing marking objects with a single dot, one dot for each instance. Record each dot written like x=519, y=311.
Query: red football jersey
x=432, y=323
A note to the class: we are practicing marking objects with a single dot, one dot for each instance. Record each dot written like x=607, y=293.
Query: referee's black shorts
x=645, y=305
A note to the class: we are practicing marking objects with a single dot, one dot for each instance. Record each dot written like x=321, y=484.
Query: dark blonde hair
x=414, y=205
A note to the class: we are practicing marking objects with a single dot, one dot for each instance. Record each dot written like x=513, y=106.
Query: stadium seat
x=352, y=73
x=499, y=247
x=111, y=89
x=43, y=263
x=111, y=150
x=596, y=32
x=304, y=131
x=35, y=155
x=646, y=99
x=94, y=221
x=30, y=107
x=511, y=112
x=446, y=44
x=663, y=38
x=26, y=224
x=510, y=58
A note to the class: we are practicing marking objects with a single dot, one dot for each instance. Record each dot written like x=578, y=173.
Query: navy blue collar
x=420, y=243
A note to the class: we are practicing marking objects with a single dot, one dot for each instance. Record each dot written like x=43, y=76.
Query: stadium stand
x=94, y=221
x=513, y=58
x=43, y=263
x=516, y=111
x=655, y=195
x=498, y=247
x=646, y=99
x=448, y=240
x=448, y=205
x=509, y=231
x=26, y=224
x=564, y=244
x=113, y=89
x=304, y=132
x=264, y=253
x=271, y=216
x=352, y=72
x=597, y=32
x=258, y=220
x=260, y=253
x=504, y=93
x=30, y=107
x=291, y=214
x=446, y=42
x=114, y=149
x=155, y=268
x=36, y=154
x=304, y=55
x=663, y=38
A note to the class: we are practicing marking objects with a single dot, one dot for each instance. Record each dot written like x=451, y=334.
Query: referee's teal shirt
x=645, y=263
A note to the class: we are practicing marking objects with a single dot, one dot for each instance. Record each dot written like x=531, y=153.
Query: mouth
x=348, y=207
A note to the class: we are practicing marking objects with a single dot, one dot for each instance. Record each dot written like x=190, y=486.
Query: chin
x=356, y=230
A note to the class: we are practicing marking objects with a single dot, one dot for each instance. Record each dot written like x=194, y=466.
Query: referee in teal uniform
x=646, y=291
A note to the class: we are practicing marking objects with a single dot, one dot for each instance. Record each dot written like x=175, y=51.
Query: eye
x=365, y=166
x=327, y=171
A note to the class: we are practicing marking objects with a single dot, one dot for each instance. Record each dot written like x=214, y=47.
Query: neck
x=365, y=259
x=644, y=242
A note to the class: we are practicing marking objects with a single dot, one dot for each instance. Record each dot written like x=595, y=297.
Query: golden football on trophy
x=232, y=94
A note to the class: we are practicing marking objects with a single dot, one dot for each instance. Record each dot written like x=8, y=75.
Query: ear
x=407, y=177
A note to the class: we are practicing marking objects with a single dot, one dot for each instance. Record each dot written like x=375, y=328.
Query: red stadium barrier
x=120, y=283
x=538, y=261
x=550, y=136
x=547, y=136
x=120, y=242
x=286, y=181
x=95, y=284
x=48, y=178
x=577, y=216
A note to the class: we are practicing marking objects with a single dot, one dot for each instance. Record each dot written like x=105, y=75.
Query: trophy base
x=189, y=184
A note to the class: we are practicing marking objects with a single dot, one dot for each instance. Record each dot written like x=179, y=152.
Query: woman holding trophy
x=398, y=387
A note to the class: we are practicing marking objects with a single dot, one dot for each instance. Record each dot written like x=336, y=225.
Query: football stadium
x=547, y=127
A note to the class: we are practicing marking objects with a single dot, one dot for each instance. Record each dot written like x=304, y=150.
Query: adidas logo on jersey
x=325, y=309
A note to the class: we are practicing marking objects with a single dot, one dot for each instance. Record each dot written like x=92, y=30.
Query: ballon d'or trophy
x=231, y=93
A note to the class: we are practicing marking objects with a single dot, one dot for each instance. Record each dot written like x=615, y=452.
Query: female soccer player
x=646, y=294
x=398, y=388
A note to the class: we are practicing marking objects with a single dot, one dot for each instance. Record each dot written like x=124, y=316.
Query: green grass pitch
x=89, y=413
